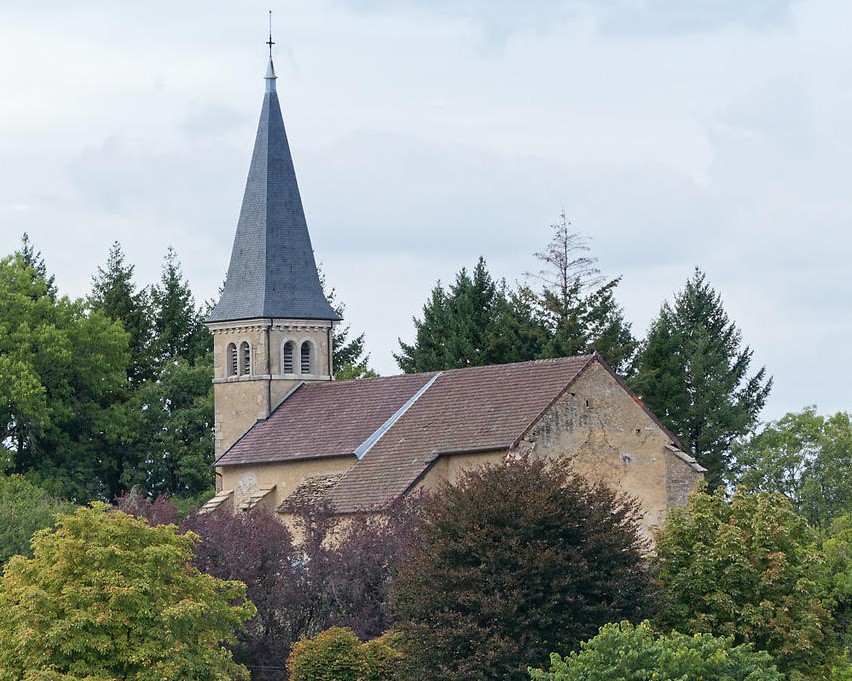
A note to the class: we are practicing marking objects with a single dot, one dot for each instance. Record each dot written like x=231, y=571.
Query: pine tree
x=178, y=324
x=694, y=375
x=575, y=307
x=114, y=293
x=475, y=322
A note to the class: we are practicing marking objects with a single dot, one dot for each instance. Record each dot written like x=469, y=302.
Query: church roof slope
x=272, y=272
x=321, y=419
x=465, y=410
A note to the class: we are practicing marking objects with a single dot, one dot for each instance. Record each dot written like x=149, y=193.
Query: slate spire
x=272, y=273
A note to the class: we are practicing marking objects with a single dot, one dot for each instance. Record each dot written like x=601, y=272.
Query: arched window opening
x=306, y=357
x=232, y=359
x=245, y=359
x=287, y=358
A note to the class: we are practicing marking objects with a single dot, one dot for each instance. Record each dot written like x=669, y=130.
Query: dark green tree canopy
x=114, y=294
x=178, y=324
x=513, y=562
x=693, y=373
x=482, y=321
x=472, y=324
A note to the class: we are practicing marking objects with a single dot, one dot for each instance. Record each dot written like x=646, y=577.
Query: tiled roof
x=464, y=410
x=323, y=419
x=272, y=273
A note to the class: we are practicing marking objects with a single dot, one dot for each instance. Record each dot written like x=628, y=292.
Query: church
x=286, y=432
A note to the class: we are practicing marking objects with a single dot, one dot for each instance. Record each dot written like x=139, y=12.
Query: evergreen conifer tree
x=693, y=373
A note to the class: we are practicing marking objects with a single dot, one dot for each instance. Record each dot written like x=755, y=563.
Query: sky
x=713, y=133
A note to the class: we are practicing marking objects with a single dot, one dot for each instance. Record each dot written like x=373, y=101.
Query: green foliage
x=62, y=371
x=750, y=569
x=512, y=562
x=114, y=294
x=628, y=653
x=336, y=654
x=175, y=430
x=837, y=548
x=693, y=374
x=806, y=457
x=480, y=321
x=108, y=597
x=472, y=324
x=179, y=330
x=24, y=508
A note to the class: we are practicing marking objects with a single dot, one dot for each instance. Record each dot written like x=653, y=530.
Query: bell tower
x=272, y=326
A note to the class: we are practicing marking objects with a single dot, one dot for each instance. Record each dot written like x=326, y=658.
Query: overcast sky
x=674, y=133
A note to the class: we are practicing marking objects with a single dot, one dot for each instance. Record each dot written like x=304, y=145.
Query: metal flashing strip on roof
x=368, y=444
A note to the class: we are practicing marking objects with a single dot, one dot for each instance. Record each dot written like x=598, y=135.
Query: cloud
x=499, y=19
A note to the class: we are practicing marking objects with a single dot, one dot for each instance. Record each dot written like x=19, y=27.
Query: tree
x=114, y=294
x=750, y=569
x=179, y=329
x=24, y=508
x=472, y=324
x=693, y=374
x=257, y=549
x=108, y=597
x=512, y=562
x=804, y=456
x=837, y=548
x=576, y=309
x=635, y=653
x=174, y=430
x=349, y=358
x=337, y=654
x=62, y=371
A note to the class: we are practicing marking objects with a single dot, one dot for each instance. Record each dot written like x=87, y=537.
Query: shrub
x=622, y=651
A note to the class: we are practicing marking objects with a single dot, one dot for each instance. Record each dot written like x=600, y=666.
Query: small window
x=306, y=357
x=287, y=358
x=232, y=359
x=245, y=359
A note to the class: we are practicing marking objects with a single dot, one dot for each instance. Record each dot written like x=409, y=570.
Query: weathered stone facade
x=243, y=399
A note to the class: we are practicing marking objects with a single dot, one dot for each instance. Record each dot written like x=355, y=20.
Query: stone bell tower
x=272, y=326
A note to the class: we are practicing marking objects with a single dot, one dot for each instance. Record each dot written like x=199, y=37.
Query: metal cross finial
x=270, y=42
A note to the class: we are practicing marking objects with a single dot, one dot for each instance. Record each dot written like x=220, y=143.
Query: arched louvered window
x=232, y=360
x=306, y=357
x=287, y=358
x=245, y=359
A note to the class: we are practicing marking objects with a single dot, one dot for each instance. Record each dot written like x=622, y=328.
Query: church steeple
x=272, y=327
x=272, y=273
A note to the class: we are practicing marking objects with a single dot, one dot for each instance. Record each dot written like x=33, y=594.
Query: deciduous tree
x=751, y=569
x=693, y=373
x=622, y=651
x=62, y=370
x=106, y=596
x=512, y=562
x=804, y=456
x=24, y=508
